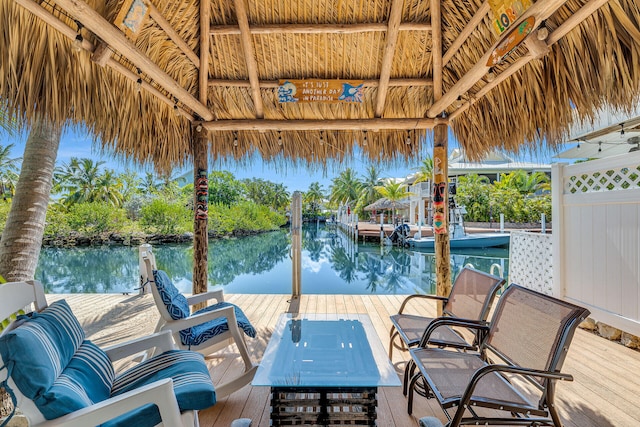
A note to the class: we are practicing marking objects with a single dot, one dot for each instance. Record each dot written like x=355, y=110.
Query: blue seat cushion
x=191, y=383
x=176, y=303
x=201, y=333
x=41, y=348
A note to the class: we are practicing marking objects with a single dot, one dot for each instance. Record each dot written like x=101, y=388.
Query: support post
x=440, y=214
x=296, y=244
x=201, y=200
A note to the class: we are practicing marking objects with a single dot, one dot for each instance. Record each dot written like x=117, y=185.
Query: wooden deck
x=605, y=391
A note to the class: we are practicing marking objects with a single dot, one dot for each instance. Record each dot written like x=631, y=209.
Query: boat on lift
x=459, y=238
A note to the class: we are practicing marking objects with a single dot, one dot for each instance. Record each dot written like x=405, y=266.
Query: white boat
x=461, y=239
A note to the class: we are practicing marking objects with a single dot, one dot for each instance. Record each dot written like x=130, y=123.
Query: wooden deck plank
x=603, y=394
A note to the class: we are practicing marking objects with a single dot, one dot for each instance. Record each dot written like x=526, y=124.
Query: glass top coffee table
x=324, y=369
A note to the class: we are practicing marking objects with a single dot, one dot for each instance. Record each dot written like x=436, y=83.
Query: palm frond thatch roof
x=143, y=97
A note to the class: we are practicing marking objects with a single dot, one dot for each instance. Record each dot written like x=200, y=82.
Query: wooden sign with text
x=318, y=90
x=132, y=17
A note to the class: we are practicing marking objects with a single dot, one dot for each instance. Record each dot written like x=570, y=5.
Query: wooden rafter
x=313, y=125
x=223, y=30
x=205, y=23
x=173, y=34
x=95, y=23
x=554, y=37
x=541, y=10
x=395, y=16
x=249, y=56
x=60, y=26
x=466, y=32
x=273, y=84
x=436, y=49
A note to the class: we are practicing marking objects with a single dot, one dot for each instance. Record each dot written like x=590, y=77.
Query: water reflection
x=331, y=262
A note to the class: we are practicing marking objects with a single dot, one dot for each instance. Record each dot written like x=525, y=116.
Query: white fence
x=596, y=238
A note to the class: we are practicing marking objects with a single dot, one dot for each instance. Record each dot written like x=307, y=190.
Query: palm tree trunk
x=22, y=235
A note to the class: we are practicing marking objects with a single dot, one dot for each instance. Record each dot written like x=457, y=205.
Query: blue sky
x=77, y=143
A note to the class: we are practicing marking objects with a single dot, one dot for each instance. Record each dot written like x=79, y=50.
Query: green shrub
x=243, y=216
x=4, y=213
x=165, y=217
x=57, y=222
x=95, y=218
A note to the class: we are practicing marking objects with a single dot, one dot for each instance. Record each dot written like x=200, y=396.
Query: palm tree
x=22, y=236
x=82, y=180
x=108, y=189
x=314, y=197
x=8, y=171
x=425, y=171
x=149, y=184
x=368, y=193
x=281, y=197
x=393, y=191
x=345, y=187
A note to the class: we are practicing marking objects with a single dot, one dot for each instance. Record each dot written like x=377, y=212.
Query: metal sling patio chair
x=471, y=297
x=515, y=371
x=206, y=331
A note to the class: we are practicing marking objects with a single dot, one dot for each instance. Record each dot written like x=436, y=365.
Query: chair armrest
x=161, y=340
x=451, y=321
x=420, y=296
x=159, y=393
x=198, y=319
x=485, y=370
x=217, y=294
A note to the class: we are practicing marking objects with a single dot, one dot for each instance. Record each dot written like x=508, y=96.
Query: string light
x=408, y=140
x=599, y=147
x=175, y=104
x=621, y=129
x=279, y=138
x=235, y=139
x=139, y=81
x=364, y=143
x=77, y=43
x=321, y=138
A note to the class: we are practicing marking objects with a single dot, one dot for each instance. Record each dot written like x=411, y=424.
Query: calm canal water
x=331, y=264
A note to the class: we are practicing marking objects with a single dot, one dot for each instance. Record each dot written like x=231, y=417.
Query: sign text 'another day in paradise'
x=318, y=90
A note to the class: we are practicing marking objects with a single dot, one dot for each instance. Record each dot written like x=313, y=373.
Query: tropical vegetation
x=89, y=199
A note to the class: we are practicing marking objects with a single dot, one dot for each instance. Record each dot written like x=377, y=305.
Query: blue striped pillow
x=41, y=348
x=86, y=380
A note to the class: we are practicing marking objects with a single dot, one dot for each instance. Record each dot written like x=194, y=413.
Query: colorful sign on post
x=506, y=12
x=511, y=41
x=318, y=90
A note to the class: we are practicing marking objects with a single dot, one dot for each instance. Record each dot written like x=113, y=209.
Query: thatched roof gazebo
x=175, y=82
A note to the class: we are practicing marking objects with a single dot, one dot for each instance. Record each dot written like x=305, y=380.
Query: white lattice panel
x=619, y=178
x=530, y=261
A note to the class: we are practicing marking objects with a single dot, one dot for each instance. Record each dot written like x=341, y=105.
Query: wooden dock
x=605, y=392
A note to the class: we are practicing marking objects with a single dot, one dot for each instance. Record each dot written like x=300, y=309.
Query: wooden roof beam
x=541, y=10
x=106, y=31
x=274, y=84
x=203, y=72
x=223, y=30
x=466, y=32
x=61, y=27
x=436, y=48
x=305, y=125
x=568, y=25
x=173, y=34
x=249, y=56
x=395, y=16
